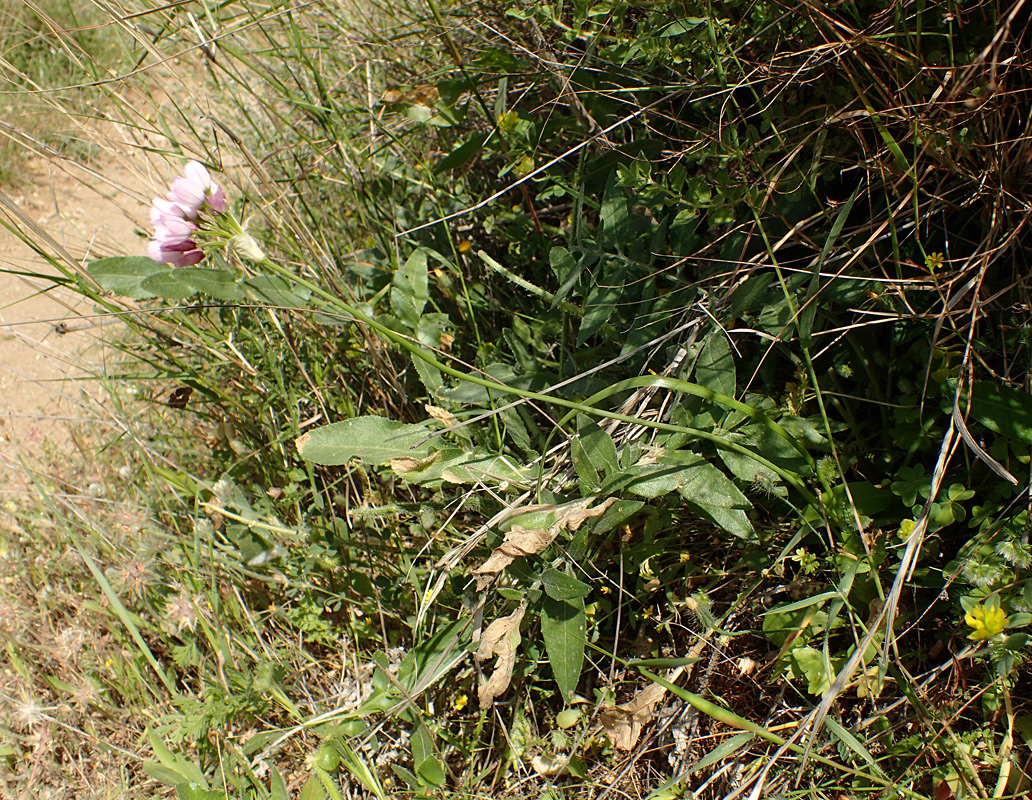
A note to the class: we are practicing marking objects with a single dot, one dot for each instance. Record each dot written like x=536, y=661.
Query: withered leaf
x=441, y=415
x=499, y=639
x=572, y=515
x=518, y=542
x=521, y=541
x=403, y=464
x=623, y=723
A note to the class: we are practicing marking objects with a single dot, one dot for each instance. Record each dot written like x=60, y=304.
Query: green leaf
x=375, y=440
x=1002, y=410
x=168, y=285
x=313, y=790
x=459, y=467
x=125, y=275
x=275, y=291
x=429, y=375
x=850, y=741
x=594, y=454
x=600, y=304
x=189, y=791
x=277, y=786
x=567, y=270
x=560, y=586
x=461, y=154
x=702, y=485
x=564, y=629
x=428, y=767
x=715, y=367
x=221, y=284
x=811, y=664
x=411, y=289
x=713, y=493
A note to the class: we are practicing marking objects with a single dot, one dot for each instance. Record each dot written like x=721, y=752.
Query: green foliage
x=658, y=304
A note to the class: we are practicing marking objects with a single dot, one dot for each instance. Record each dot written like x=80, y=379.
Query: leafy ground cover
x=571, y=400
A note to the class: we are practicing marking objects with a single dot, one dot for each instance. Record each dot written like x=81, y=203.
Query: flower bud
x=245, y=246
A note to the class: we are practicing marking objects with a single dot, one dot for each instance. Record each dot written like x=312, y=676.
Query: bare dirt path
x=51, y=342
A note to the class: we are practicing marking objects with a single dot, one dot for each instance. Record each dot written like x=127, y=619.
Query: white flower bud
x=245, y=246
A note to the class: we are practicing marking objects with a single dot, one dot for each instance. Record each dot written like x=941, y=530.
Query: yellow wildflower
x=986, y=621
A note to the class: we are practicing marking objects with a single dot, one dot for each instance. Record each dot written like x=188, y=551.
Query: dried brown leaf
x=403, y=464
x=441, y=415
x=574, y=515
x=499, y=639
x=623, y=723
x=521, y=541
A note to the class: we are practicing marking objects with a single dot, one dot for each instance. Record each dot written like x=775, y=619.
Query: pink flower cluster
x=175, y=220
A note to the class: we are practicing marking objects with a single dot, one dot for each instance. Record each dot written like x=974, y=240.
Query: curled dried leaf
x=573, y=515
x=518, y=542
x=521, y=541
x=403, y=464
x=499, y=639
x=441, y=415
x=623, y=723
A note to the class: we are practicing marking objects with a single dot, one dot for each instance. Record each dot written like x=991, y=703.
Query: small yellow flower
x=465, y=246
x=460, y=702
x=986, y=621
x=934, y=260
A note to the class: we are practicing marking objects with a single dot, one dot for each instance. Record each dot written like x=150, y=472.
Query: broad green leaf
x=601, y=302
x=313, y=790
x=560, y=586
x=614, y=215
x=567, y=270
x=428, y=767
x=411, y=289
x=174, y=769
x=594, y=454
x=1002, y=410
x=810, y=663
x=704, y=486
x=168, y=285
x=429, y=375
x=616, y=514
x=275, y=291
x=432, y=771
x=162, y=774
x=277, y=786
x=220, y=284
x=375, y=440
x=124, y=275
x=461, y=154
x=715, y=367
x=459, y=467
x=564, y=629
x=190, y=791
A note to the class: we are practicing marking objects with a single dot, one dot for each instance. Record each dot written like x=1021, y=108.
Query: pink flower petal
x=173, y=230
x=161, y=208
x=175, y=253
x=217, y=200
x=187, y=194
x=188, y=259
x=198, y=174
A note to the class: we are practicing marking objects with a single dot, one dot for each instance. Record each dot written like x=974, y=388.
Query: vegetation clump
x=610, y=397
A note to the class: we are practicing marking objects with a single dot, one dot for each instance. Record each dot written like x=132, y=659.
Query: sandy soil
x=50, y=341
